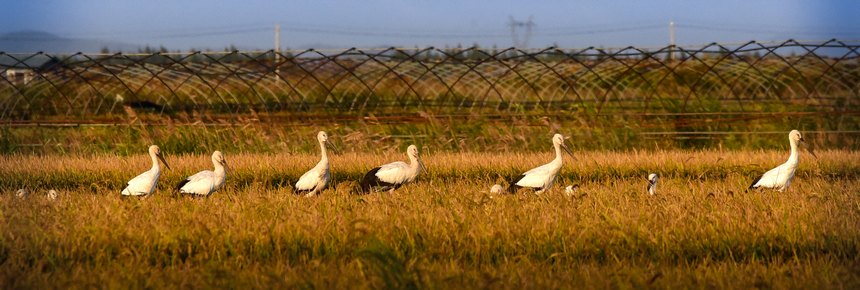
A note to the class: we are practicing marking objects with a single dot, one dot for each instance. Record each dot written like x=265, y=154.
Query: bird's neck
x=154, y=162
x=220, y=170
x=414, y=163
x=794, y=157
x=557, y=154
x=323, y=153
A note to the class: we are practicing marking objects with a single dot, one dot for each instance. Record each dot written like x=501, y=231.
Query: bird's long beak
x=423, y=168
x=331, y=146
x=162, y=160
x=566, y=149
x=808, y=148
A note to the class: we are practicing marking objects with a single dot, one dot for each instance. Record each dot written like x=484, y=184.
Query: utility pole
x=528, y=25
x=671, y=40
x=277, y=52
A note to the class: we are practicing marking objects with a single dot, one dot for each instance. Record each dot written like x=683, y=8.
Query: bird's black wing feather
x=512, y=183
x=296, y=190
x=126, y=186
x=752, y=185
x=370, y=181
x=181, y=184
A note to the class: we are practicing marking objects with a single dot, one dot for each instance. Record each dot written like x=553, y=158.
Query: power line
x=775, y=30
x=231, y=29
x=530, y=27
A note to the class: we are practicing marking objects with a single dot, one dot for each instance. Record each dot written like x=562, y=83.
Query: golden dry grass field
x=702, y=230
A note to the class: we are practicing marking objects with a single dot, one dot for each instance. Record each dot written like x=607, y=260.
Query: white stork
x=542, y=177
x=393, y=175
x=780, y=177
x=652, y=184
x=144, y=183
x=206, y=182
x=315, y=180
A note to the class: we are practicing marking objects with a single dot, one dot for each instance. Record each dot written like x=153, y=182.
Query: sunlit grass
x=702, y=230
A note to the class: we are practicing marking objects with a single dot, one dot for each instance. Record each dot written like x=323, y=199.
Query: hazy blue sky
x=184, y=24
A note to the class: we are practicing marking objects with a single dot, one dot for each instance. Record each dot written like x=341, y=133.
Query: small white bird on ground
x=315, y=180
x=652, y=184
x=22, y=193
x=53, y=194
x=571, y=190
x=206, y=182
x=542, y=178
x=394, y=175
x=145, y=183
x=497, y=188
x=780, y=177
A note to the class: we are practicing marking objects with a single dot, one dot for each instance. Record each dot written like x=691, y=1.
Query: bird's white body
x=652, y=183
x=779, y=178
x=542, y=177
x=22, y=193
x=145, y=183
x=206, y=182
x=398, y=172
x=395, y=174
x=315, y=180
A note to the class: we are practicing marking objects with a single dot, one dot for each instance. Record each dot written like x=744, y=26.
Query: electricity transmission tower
x=527, y=35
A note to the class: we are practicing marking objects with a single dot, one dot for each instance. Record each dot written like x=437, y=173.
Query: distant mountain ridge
x=29, y=41
x=32, y=41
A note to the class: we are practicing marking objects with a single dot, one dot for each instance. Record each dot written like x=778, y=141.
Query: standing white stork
x=393, y=175
x=206, y=182
x=652, y=183
x=145, y=183
x=315, y=180
x=780, y=177
x=542, y=177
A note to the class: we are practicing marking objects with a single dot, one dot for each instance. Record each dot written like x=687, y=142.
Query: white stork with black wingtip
x=315, y=180
x=542, y=177
x=652, y=183
x=394, y=175
x=206, y=182
x=145, y=183
x=780, y=177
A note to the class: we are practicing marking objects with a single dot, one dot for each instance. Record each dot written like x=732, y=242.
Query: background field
x=733, y=96
x=445, y=231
